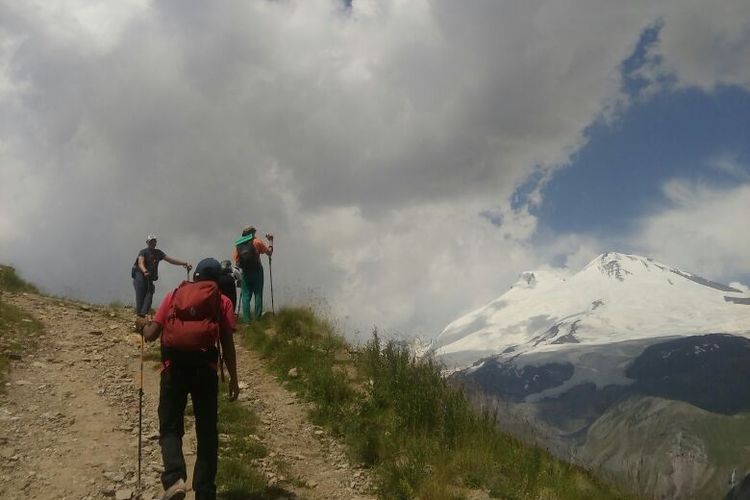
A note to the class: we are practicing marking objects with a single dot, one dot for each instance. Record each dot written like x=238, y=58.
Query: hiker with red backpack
x=146, y=270
x=247, y=252
x=196, y=323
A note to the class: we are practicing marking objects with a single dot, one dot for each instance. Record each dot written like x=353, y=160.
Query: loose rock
x=124, y=494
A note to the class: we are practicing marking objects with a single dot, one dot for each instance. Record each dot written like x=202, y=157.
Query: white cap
x=150, y=237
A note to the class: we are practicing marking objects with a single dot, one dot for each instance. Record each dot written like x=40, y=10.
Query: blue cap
x=207, y=269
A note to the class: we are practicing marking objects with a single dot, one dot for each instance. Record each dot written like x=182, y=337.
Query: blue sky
x=617, y=177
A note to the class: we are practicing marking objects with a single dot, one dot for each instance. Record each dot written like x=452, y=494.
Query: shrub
x=11, y=282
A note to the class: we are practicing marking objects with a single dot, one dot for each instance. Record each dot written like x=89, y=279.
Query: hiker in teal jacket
x=247, y=252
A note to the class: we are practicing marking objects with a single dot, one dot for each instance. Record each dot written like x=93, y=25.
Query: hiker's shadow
x=270, y=493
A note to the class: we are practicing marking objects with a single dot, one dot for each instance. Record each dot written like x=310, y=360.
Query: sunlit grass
x=236, y=477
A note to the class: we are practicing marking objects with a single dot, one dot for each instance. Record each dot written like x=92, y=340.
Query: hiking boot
x=175, y=492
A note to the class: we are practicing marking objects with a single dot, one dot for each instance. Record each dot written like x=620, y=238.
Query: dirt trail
x=69, y=417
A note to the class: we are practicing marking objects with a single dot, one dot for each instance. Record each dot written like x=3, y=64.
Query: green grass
x=11, y=282
x=398, y=415
x=18, y=330
x=18, y=336
x=237, y=478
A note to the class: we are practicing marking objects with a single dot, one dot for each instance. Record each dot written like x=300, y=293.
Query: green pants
x=252, y=284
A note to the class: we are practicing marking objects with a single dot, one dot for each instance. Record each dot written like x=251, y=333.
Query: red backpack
x=193, y=321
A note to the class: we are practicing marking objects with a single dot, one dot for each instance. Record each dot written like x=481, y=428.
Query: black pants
x=201, y=382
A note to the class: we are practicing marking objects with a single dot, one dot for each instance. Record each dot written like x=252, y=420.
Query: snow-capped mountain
x=629, y=366
x=615, y=298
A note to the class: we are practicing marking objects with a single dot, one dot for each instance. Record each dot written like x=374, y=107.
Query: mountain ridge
x=616, y=297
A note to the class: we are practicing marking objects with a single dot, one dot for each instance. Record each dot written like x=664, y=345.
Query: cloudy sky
x=411, y=156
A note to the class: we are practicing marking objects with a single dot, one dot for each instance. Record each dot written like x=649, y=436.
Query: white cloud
x=729, y=164
x=703, y=230
x=369, y=140
x=702, y=47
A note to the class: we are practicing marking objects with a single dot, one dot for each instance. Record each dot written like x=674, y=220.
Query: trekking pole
x=270, y=275
x=269, y=237
x=140, y=418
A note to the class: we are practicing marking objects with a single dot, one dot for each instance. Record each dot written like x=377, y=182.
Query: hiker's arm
x=266, y=248
x=230, y=359
x=142, y=265
x=151, y=329
x=177, y=262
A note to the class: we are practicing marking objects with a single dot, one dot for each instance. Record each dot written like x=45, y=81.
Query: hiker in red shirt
x=192, y=320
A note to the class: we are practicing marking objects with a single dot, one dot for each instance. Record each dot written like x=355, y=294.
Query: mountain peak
x=617, y=297
x=611, y=264
x=619, y=266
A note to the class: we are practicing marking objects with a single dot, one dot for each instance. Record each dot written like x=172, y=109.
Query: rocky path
x=69, y=417
x=307, y=452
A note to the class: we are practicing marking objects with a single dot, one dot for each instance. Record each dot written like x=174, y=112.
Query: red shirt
x=226, y=321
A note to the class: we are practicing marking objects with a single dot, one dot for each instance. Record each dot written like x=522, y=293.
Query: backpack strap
x=171, y=315
x=218, y=340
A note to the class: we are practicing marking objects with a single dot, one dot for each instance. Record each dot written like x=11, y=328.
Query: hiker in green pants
x=247, y=252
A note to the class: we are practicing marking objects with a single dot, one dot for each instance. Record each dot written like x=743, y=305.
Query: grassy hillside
x=11, y=282
x=17, y=330
x=399, y=416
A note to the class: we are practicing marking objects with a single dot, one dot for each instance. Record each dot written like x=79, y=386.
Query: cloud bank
x=370, y=139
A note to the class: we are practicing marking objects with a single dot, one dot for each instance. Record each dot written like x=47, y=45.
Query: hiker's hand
x=269, y=237
x=140, y=324
x=234, y=390
x=187, y=266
